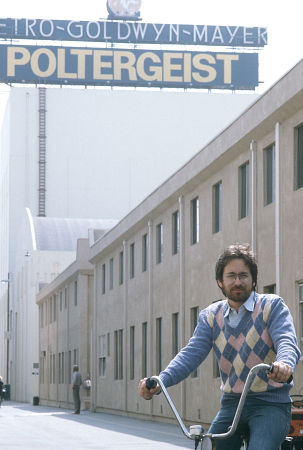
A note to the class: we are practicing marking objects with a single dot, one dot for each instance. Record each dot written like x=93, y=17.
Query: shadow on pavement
x=155, y=431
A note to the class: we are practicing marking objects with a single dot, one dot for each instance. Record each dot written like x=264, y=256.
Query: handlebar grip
x=271, y=370
x=150, y=384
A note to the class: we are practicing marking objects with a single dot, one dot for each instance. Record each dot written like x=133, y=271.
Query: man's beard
x=240, y=296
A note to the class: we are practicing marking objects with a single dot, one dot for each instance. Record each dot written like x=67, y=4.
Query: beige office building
x=154, y=271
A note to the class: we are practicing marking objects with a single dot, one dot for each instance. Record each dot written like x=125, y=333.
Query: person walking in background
x=76, y=383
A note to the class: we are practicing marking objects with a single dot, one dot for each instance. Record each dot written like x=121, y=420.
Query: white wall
x=112, y=147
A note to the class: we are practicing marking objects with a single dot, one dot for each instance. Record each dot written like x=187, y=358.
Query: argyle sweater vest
x=241, y=348
x=264, y=335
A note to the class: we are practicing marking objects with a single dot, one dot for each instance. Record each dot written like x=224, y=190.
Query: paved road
x=28, y=427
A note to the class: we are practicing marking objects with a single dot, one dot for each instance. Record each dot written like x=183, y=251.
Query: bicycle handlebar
x=152, y=383
x=154, y=380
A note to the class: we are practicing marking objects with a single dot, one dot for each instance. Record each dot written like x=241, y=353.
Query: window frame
x=159, y=344
x=175, y=232
x=121, y=267
x=269, y=174
x=194, y=220
x=244, y=182
x=103, y=278
x=132, y=260
x=217, y=207
x=144, y=252
x=298, y=158
x=175, y=333
x=194, y=316
x=159, y=243
x=132, y=352
x=111, y=274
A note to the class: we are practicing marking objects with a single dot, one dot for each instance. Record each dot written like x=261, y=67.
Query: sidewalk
x=28, y=427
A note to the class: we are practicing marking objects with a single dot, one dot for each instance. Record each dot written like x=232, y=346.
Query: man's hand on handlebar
x=281, y=372
x=147, y=394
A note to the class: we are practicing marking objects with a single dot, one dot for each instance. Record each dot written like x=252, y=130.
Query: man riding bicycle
x=244, y=330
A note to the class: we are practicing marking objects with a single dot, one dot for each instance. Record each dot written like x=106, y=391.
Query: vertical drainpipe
x=57, y=347
x=277, y=205
x=150, y=304
x=94, y=387
x=182, y=293
x=42, y=153
x=125, y=305
x=253, y=149
x=66, y=299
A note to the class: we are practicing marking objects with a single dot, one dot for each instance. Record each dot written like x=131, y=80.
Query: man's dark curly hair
x=234, y=251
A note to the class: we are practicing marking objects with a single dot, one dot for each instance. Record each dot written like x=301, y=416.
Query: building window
x=69, y=367
x=158, y=344
x=144, y=252
x=55, y=308
x=118, y=342
x=144, y=349
x=244, y=190
x=132, y=261
x=194, y=220
x=76, y=359
x=61, y=368
x=299, y=157
x=111, y=273
x=41, y=316
x=45, y=309
x=52, y=369
x=108, y=344
x=61, y=300
x=217, y=207
x=50, y=308
x=103, y=278
x=270, y=289
x=121, y=267
x=194, y=314
x=42, y=367
x=159, y=243
x=76, y=293
x=175, y=334
x=301, y=316
x=132, y=353
x=175, y=232
x=269, y=175
x=65, y=297
x=102, y=355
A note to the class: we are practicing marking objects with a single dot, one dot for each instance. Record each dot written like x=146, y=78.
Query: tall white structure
x=86, y=153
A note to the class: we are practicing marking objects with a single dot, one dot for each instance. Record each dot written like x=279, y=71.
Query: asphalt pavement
x=27, y=427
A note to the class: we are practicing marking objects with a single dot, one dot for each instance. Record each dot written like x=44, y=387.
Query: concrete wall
x=181, y=282
x=68, y=332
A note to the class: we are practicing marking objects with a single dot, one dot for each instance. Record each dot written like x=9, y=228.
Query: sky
x=283, y=21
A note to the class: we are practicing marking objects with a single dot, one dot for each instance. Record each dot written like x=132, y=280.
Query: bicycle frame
x=196, y=432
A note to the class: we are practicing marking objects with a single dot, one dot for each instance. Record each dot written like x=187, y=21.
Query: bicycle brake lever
x=271, y=371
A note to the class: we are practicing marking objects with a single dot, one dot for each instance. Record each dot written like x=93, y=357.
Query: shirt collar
x=249, y=304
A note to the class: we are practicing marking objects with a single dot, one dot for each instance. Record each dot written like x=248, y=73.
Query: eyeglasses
x=233, y=276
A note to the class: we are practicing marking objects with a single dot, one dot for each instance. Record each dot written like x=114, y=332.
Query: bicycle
x=296, y=424
x=197, y=433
